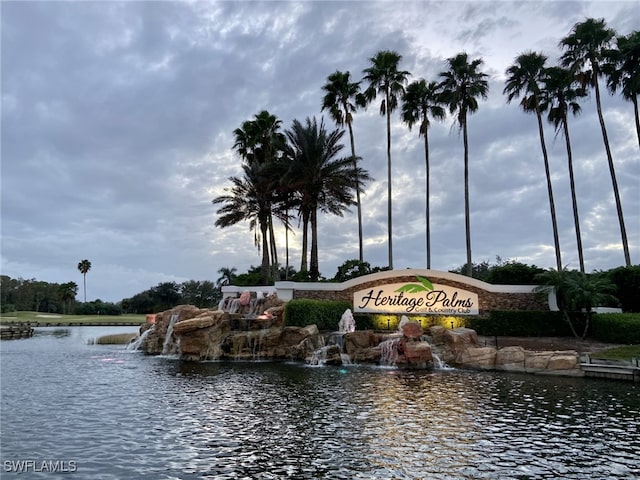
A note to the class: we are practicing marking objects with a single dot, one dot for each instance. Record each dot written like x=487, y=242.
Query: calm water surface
x=116, y=414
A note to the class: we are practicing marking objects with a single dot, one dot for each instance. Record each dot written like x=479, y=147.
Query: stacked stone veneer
x=490, y=297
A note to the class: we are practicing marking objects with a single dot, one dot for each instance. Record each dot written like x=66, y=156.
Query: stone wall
x=488, y=300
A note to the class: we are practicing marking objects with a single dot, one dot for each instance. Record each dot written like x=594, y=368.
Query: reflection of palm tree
x=462, y=85
x=585, y=48
x=385, y=78
x=321, y=179
x=524, y=78
x=339, y=99
x=420, y=101
x=84, y=266
x=560, y=95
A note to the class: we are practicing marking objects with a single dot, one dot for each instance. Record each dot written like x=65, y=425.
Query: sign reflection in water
x=120, y=414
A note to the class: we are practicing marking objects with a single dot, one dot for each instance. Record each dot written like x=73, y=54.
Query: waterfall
x=167, y=339
x=438, y=363
x=135, y=345
x=389, y=352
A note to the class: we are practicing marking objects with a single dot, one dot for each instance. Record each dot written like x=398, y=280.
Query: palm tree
x=623, y=71
x=420, y=101
x=339, y=99
x=385, y=79
x=524, y=79
x=560, y=97
x=259, y=143
x=462, y=85
x=227, y=275
x=84, y=266
x=67, y=292
x=322, y=180
x=585, y=48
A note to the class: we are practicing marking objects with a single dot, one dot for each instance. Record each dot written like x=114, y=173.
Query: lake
x=102, y=412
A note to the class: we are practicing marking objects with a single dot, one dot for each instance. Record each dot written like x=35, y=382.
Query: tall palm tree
x=585, y=48
x=385, y=79
x=340, y=99
x=84, y=266
x=623, y=71
x=420, y=101
x=245, y=200
x=259, y=143
x=323, y=181
x=560, y=97
x=524, y=78
x=462, y=84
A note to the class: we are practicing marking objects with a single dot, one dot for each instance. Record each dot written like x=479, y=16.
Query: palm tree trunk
x=427, y=216
x=552, y=205
x=273, y=250
x=355, y=167
x=389, y=216
x=305, y=239
x=84, y=283
x=314, y=271
x=616, y=193
x=467, y=222
x=634, y=100
x=265, y=268
x=574, y=201
x=286, y=245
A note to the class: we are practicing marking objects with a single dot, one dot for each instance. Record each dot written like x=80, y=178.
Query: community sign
x=422, y=297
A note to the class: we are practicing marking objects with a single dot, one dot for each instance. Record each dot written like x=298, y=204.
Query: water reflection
x=122, y=414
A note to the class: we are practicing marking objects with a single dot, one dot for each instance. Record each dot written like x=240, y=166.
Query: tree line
x=301, y=171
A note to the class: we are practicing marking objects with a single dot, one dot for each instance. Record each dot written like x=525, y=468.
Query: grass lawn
x=44, y=318
x=626, y=352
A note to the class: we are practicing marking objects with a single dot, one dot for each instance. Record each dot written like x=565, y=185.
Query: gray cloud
x=117, y=121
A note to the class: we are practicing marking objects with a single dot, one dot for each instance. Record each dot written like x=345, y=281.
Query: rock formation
x=205, y=334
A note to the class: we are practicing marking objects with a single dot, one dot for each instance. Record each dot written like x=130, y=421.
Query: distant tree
x=513, y=273
x=352, y=269
x=84, y=266
x=67, y=292
x=227, y=275
x=385, y=78
x=201, y=294
x=166, y=295
x=627, y=281
x=463, y=83
x=585, y=49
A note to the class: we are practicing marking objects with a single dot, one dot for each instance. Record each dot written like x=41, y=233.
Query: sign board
x=422, y=297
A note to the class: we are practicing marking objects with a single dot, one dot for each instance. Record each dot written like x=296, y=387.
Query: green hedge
x=521, y=323
x=323, y=313
x=616, y=328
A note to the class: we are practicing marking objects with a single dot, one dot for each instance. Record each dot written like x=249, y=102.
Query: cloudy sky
x=117, y=121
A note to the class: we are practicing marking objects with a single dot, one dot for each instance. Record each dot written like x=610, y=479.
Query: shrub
x=521, y=323
x=616, y=328
x=324, y=314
